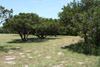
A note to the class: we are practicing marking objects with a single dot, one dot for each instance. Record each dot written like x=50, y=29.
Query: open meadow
x=50, y=33
x=47, y=52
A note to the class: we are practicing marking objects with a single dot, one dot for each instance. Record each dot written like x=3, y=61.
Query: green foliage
x=4, y=14
x=83, y=19
x=69, y=17
x=90, y=22
x=87, y=49
x=40, y=30
x=22, y=24
x=46, y=27
x=1, y=30
x=94, y=32
x=4, y=30
x=29, y=23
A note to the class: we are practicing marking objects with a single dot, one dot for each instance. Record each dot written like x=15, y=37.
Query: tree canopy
x=22, y=24
x=82, y=18
x=30, y=23
x=4, y=14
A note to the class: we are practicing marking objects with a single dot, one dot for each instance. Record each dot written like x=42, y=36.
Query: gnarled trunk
x=23, y=36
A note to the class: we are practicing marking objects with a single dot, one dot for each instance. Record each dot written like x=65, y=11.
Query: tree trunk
x=85, y=37
x=21, y=35
x=25, y=37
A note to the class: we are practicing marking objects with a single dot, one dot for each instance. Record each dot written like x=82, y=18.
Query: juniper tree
x=22, y=24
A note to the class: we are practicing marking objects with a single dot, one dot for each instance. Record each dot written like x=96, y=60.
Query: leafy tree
x=46, y=27
x=22, y=24
x=4, y=30
x=4, y=13
x=84, y=26
x=83, y=18
x=40, y=30
x=94, y=31
x=90, y=21
x=1, y=30
x=69, y=17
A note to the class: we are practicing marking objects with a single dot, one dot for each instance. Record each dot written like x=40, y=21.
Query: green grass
x=40, y=49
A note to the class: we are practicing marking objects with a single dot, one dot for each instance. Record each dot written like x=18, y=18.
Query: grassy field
x=42, y=53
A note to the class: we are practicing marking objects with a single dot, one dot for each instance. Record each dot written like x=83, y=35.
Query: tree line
x=77, y=18
x=83, y=18
x=30, y=23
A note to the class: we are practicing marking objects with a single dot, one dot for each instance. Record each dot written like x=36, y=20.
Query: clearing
x=42, y=53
